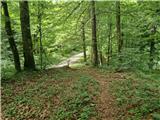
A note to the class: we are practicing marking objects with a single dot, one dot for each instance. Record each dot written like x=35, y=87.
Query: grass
x=56, y=94
x=138, y=96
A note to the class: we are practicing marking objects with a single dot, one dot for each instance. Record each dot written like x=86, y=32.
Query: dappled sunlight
x=80, y=60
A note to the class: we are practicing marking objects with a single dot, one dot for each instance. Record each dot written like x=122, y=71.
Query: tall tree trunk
x=10, y=37
x=40, y=32
x=29, y=62
x=100, y=53
x=118, y=26
x=84, y=43
x=109, y=42
x=94, y=37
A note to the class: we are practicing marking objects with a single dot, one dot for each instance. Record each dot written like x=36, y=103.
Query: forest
x=80, y=60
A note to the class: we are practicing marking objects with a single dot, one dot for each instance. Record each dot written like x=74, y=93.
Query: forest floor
x=33, y=96
x=105, y=102
x=81, y=93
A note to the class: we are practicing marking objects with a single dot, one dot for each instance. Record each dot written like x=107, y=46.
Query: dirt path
x=107, y=109
x=70, y=61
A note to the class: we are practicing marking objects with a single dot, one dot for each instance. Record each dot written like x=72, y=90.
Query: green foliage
x=156, y=116
x=52, y=94
x=7, y=69
x=138, y=96
x=24, y=95
x=61, y=31
x=129, y=59
x=79, y=106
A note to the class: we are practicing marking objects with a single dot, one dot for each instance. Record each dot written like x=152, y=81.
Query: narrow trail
x=106, y=106
x=70, y=61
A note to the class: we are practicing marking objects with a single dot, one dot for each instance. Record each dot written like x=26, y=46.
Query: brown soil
x=106, y=106
x=105, y=102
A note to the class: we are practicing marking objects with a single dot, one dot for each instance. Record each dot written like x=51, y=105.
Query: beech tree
x=11, y=40
x=109, y=52
x=29, y=62
x=40, y=12
x=124, y=34
x=84, y=42
x=118, y=26
x=94, y=36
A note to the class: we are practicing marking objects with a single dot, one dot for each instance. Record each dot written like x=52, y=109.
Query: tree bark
x=109, y=43
x=29, y=62
x=40, y=33
x=118, y=26
x=84, y=43
x=94, y=36
x=10, y=37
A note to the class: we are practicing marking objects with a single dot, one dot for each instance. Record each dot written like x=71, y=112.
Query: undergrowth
x=138, y=96
x=80, y=105
x=34, y=95
x=57, y=94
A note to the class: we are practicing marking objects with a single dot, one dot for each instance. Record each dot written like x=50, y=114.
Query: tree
x=94, y=36
x=118, y=26
x=84, y=43
x=29, y=62
x=111, y=28
x=40, y=31
x=109, y=52
x=10, y=37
